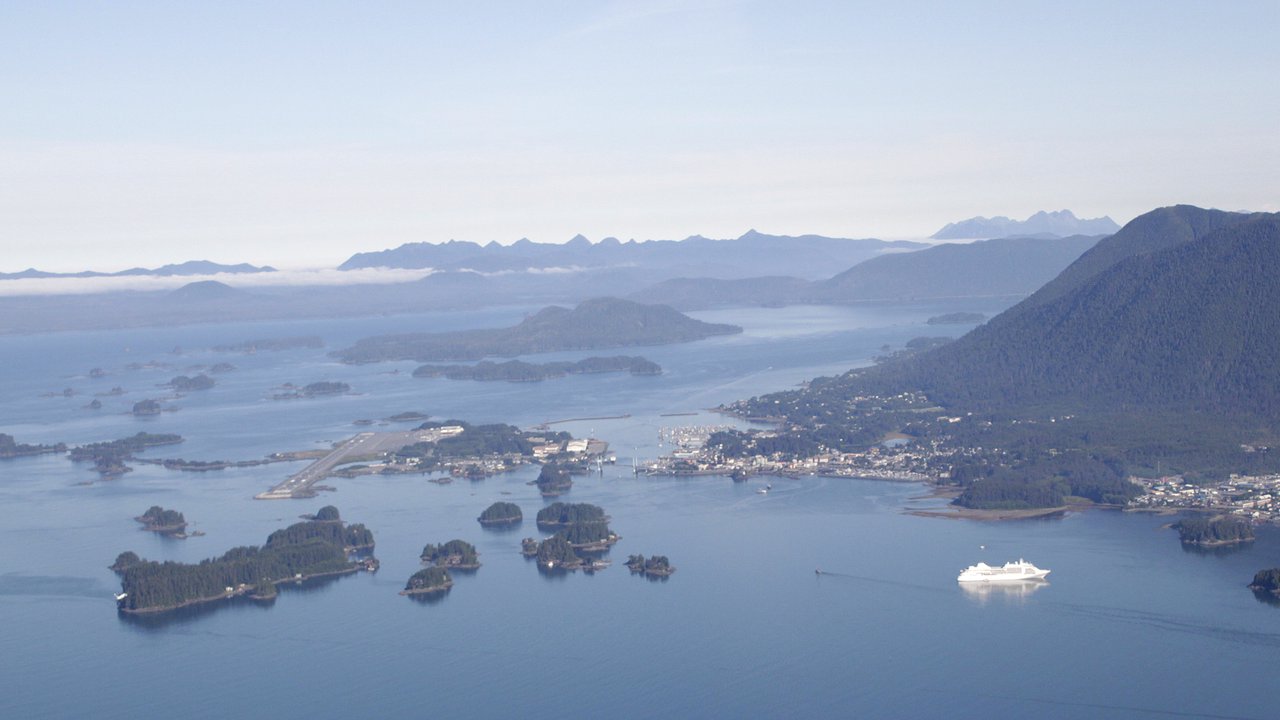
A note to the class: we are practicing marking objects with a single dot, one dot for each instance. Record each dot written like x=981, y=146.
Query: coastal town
x=1254, y=497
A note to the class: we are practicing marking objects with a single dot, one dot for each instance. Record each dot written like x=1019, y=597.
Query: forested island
x=1210, y=532
x=301, y=551
x=558, y=515
x=656, y=566
x=520, y=371
x=1267, y=583
x=109, y=458
x=428, y=581
x=184, y=383
x=553, y=480
x=455, y=554
x=579, y=527
x=311, y=390
x=593, y=324
x=11, y=449
x=162, y=521
x=143, y=408
x=501, y=513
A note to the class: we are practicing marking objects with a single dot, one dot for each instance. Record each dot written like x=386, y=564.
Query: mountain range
x=1056, y=224
x=806, y=256
x=191, y=267
x=1007, y=267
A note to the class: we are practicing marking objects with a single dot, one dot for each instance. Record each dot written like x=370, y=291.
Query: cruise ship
x=1009, y=572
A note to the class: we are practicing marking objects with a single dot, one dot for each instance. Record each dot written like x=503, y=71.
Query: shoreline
x=245, y=591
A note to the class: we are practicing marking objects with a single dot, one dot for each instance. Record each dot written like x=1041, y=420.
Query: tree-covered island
x=553, y=480
x=162, y=521
x=559, y=514
x=109, y=458
x=594, y=324
x=1267, y=583
x=1211, y=532
x=184, y=383
x=656, y=566
x=501, y=513
x=580, y=527
x=428, y=581
x=301, y=551
x=289, y=391
x=455, y=554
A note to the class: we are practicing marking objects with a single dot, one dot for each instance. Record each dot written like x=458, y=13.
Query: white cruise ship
x=1010, y=572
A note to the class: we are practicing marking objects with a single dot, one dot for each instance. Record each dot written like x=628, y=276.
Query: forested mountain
x=593, y=324
x=1193, y=325
x=1060, y=223
x=1009, y=266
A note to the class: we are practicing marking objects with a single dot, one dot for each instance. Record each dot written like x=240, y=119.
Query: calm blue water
x=1130, y=625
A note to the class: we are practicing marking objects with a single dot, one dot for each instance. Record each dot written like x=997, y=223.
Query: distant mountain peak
x=1060, y=223
x=578, y=240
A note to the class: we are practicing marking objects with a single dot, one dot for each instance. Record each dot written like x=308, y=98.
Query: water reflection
x=434, y=598
x=983, y=593
x=1213, y=550
x=1267, y=598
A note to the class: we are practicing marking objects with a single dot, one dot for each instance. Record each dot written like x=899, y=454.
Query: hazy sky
x=298, y=133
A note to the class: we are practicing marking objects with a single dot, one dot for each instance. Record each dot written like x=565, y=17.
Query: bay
x=1129, y=624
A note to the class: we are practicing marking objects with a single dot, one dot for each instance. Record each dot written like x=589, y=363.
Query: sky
x=298, y=133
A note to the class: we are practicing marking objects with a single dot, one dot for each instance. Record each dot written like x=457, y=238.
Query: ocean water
x=1129, y=624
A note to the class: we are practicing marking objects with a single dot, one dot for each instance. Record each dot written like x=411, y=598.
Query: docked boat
x=1009, y=572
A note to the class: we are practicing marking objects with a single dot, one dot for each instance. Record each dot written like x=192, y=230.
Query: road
x=363, y=445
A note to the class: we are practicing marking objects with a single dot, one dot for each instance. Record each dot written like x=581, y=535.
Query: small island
x=109, y=458
x=183, y=383
x=1267, y=583
x=556, y=553
x=222, y=367
x=553, y=480
x=594, y=324
x=408, y=416
x=501, y=513
x=164, y=522
x=1214, y=532
x=311, y=390
x=455, y=554
x=957, y=318
x=656, y=566
x=144, y=408
x=558, y=515
x=428, y=581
